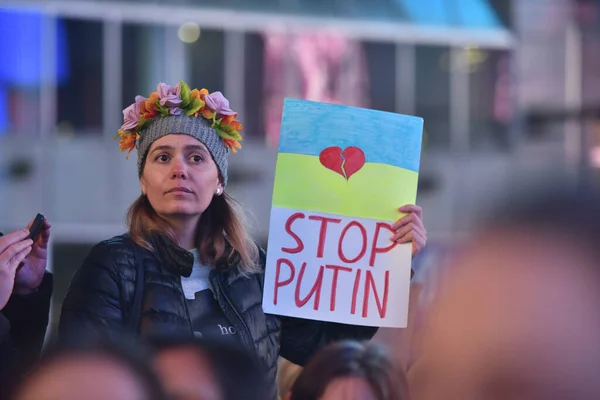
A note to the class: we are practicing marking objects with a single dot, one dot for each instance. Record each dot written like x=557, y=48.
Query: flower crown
x=177, y=100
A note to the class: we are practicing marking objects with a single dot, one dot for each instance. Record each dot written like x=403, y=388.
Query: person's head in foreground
x=517, y=316
x=92, y=371
x=195, y=369
x=183, y=139
x=350, y=371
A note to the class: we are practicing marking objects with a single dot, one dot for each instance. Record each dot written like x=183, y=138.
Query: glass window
x=381, y=66
x=79, y=105
x=432, y=98
x=254, y=90
x=143, y=60
x=490, y=103
x=207, y=64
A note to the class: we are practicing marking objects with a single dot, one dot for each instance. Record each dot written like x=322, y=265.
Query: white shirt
x=198, y=280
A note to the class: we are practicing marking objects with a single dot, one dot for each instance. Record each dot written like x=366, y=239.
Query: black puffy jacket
x=103, y=289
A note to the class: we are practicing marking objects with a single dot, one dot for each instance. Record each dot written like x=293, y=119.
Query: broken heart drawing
x=346, y=162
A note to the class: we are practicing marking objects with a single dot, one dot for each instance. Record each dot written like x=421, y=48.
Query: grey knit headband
x=180, y=110
x=198, y=128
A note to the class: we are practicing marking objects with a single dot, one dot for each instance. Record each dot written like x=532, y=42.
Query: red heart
x=345, y=163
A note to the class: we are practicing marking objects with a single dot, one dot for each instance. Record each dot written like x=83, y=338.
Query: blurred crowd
x=513, y=316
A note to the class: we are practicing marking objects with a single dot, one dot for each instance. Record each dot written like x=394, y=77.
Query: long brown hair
x=222, y=223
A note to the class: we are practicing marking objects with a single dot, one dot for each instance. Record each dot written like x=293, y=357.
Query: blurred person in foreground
x=99, y=370
x=350, y=371
x=187, y=265
x=25, y=292
x=192, y=368
x=517, y=313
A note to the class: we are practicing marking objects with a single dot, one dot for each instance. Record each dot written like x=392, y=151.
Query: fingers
x=411, y=219
x=412, y=208
x=42, y=240
x=15, y=253
x=416, y=238
x=10, y=239
x=406, y=229
x=404, y=221
x=14, y=263
x=410, y=228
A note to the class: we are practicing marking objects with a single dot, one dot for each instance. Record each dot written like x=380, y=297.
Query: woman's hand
x=410, y=228
x=14, y=247
x=30, y=275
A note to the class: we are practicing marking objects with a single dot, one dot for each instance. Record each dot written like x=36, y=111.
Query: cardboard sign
x=342, y=172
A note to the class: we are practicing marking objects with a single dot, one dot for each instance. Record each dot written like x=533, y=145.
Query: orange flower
x=199, y=94
x=228, y=119
x=148, y=108
x=127, y=141
x=206, y=113
x=237, y=126
x=233, y=145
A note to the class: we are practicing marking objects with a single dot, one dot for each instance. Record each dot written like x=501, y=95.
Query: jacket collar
x=181, y=261
x=173, y=257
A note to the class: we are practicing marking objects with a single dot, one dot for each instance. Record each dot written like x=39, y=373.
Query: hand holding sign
x=330, y=256
x=410, y=228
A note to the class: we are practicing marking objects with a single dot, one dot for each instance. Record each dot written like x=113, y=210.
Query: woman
x=25, y=292
x=187, y=265
x=349, y=370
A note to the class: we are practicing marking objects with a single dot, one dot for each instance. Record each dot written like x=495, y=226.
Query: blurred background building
x=501, y=85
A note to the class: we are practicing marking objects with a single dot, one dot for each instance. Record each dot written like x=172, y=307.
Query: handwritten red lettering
x=355, y=291
x=323, y=231
x=279, y=284
x=315, y=290
x=334, y=281
x=363, y=248
x=288, y=229
x=380, y=250
x=370, y=283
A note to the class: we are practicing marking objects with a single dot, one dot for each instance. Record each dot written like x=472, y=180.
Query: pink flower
x=217, y=102
x=169, y=96
x=132, y=115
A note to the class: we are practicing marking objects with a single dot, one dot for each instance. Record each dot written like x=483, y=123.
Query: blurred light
x=475, y=55
x=595, y=157
x=189, y=32
x=594, y=153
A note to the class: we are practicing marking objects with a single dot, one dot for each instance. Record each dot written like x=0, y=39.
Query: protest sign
x=341, y=174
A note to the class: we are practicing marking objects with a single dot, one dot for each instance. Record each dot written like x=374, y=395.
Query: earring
x=218, y=191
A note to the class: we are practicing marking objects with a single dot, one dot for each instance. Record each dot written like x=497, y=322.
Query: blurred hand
x=14, y=248
x=410, y=228
x=30, y=274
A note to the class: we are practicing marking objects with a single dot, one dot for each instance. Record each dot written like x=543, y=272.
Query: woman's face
x=180, y=177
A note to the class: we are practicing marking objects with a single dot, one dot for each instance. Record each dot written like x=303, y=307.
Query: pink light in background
x=319, y=67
